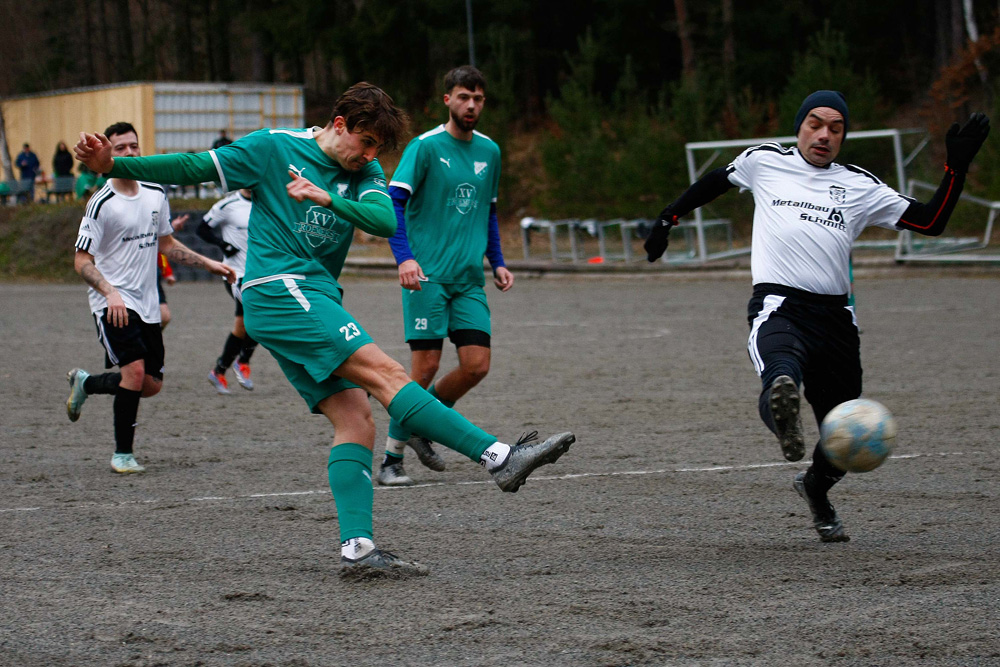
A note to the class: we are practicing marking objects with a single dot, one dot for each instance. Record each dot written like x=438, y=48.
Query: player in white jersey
x=126, y=224
x=230, y=216
x=808, y=210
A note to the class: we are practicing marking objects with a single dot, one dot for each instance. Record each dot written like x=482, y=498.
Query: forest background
x=591, y=101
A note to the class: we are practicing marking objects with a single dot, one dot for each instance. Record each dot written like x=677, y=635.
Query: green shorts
x=307, y=331
x=440, y=308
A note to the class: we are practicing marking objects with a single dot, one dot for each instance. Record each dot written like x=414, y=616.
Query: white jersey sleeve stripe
x=401, y=184
x=375, y=190
x=218, y=169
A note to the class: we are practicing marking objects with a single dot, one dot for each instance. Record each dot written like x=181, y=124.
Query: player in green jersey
x=444, y=192
x=311, y=188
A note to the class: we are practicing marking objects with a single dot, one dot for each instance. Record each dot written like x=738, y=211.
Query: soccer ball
x=857, y=436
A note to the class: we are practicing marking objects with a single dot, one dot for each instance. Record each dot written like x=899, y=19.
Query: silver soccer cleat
x=426, y=454
x=379, y=564
x=393, y=475
x=526, y=456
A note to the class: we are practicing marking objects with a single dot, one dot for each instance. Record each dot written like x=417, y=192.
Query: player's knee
x=151, y=386
x=425, y=373
x=476, y=370
x=133, y=374
x=355, y=425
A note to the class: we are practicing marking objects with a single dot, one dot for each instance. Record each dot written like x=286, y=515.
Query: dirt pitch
x=669, y=535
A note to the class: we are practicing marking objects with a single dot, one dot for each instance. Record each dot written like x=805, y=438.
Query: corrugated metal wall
x=189, y=116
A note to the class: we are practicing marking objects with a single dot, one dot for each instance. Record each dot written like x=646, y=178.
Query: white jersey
x=806, y=218
x=231, y=215
x=122, y=233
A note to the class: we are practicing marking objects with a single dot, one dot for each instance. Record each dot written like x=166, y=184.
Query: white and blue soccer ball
x=858, y=435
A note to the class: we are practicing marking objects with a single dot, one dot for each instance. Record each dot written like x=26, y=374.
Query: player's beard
x=464, y=125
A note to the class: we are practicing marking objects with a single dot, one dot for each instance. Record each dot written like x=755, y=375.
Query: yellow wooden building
x=169, y=116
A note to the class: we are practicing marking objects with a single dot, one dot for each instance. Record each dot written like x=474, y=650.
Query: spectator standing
x=28, y=163
x=223, y=140
x=62, y=161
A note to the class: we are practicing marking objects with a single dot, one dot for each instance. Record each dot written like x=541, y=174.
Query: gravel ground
x=668, y=535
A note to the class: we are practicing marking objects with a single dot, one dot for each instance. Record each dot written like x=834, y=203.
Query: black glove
x=659, y=237
x=228, y=249
x=963, y=143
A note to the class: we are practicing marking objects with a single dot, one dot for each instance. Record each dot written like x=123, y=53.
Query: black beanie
x=833, y=99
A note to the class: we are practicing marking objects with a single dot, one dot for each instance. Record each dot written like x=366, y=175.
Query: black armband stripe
x=774, y=148
x=83, y=244
x=858, y=170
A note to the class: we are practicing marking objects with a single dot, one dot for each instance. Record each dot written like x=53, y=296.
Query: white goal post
x=950, y=248
x=696, y=171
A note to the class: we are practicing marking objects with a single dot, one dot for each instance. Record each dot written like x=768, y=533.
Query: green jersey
x=286, y=236
x=451, y=184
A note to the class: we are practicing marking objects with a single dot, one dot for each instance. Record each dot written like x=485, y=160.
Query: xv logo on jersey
x=318, y=227
x=838, y=194
x=464, y=199
x=480, y=169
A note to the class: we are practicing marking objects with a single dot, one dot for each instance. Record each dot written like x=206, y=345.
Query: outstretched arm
x=962, y=144
x=94, y=150
x=701, y=192
x=175, y=251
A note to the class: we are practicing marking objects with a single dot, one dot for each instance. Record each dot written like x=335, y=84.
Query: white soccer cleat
x=74, y=404
x=242, y=372
x=125, y=464
x=219, y=382
x=393, y=475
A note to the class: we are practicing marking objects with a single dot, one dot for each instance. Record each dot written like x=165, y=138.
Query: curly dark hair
x=366, y=107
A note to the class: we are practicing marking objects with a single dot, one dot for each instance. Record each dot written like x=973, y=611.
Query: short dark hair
x=121, y=127
x=366, y=107
x=465, y=76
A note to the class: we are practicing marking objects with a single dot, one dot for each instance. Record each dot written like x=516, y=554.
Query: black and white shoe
x=526, y=456
x=426, y=453
x=785, y=409
x=825, y=519
x=379, y=564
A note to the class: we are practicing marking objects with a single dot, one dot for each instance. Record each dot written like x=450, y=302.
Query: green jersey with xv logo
x=289, y=237
x=452, y=184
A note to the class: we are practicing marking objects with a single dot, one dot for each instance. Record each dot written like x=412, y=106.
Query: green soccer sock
x=350, y=471
x=417, y=411
x=396, y=430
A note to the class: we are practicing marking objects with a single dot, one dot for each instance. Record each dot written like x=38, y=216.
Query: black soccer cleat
x=784, y=400
x=825, y=519
x=526, y=456
x=426, y=453
x=379, y=564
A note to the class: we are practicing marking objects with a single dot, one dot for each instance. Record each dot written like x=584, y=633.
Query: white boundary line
x=541, y=478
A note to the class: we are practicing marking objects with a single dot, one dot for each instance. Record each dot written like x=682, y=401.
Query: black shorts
x=239, y=302
x=136, y=340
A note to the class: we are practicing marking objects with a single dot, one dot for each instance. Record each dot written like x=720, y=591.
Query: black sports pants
x=814, y=339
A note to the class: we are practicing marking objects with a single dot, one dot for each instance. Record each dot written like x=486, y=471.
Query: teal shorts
x=307, y=331
x=441, y=308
